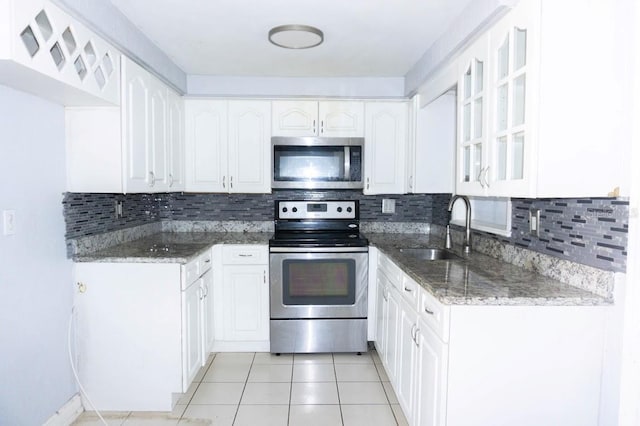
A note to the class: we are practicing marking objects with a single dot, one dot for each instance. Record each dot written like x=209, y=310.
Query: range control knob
x=284, y=209
x=295, y=209
x=339, y=209
x=349, y=209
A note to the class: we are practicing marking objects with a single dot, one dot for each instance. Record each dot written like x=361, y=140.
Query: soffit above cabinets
x=362, y=38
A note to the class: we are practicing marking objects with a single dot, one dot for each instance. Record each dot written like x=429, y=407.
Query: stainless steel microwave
x=317, y=163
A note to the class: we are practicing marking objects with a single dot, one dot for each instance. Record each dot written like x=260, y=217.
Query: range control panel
x=317, y=210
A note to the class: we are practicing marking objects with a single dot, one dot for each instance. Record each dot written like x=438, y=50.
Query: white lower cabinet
x=242, y=299
x=463, y=365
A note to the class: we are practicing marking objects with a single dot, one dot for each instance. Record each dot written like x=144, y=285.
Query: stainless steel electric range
x=318, y=276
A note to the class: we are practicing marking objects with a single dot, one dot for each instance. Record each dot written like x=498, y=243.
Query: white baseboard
x=68, y=413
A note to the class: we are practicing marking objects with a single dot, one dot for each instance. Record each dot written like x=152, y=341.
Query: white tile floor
x=267, y=390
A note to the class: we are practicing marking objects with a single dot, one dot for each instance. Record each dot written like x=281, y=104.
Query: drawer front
x=391, y=270
x=411, y=291
x=245, y=254
x=204, y=261
x=434, y=314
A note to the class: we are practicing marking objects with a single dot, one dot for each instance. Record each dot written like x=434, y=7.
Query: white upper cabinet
x=472, y=151
x=38, y=39
x=206, y=145
x=528, y=112
x=313, y=118
x=432, y=146
x=175, y=142
x=228, y=146
x=513, y=57
x=250, y=146
x=146, y=127
x=135, y=148
x=386, y=134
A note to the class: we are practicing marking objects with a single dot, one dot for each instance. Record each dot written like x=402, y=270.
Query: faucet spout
x=466, y=244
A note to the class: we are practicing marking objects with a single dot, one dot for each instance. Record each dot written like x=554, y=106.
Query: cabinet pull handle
x=170, y=180
x=385, y=294
x=231, y=182
x=415, y=339
x=414, y=327
x=207, y=261
x=152, y=179
x=486, y=172
x=245, y=255
x=264, y=277
x=367, y=183
x=407, y=289
x=224, y=185
x=428, y=311
x=314, y=126
x=322, y=126
x=200, y=293
x=480, y=177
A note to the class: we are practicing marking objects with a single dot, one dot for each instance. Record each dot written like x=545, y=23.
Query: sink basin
x=430, y=253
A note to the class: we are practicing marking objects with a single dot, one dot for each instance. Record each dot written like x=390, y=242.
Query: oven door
x=319, y=284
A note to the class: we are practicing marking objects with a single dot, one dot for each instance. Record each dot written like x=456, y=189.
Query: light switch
x=8, y=222
x=388, y=205
x=534, y=222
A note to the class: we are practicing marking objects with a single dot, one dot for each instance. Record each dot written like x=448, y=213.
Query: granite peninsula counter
x=478, y=279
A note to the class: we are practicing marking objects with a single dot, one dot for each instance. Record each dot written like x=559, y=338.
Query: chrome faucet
x=466, y=244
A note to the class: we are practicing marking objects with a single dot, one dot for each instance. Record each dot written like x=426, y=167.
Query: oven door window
x=319, y=281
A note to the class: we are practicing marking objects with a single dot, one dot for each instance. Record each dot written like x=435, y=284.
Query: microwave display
x=317, y=163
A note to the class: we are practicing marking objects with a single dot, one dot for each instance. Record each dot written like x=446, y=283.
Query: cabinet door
x=250, y=146
x=472, y=152
x=430, y=378
x=246, y=303
x=135, y=126
x=206, y=146
x=206, y=283
x=386, y=126
x=175, y=142
x=512, y=44
x=344, y=119
x=382, y=307
x=191, y=333
x=158, y=106
x=295, y=118
x=391, y=335
x=407, y=327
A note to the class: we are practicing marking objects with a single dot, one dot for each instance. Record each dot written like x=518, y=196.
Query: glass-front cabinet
x=496, y=105
x=513, y=63
x=472, y=129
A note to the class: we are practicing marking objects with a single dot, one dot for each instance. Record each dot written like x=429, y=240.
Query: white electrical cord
x=75, y=373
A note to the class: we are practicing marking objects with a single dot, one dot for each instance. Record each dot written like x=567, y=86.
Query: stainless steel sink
x=430, y=253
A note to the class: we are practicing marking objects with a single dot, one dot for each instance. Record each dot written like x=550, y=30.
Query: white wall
x=348, y=87
x=35, y=276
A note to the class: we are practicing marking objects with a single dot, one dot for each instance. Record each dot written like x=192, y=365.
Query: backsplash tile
x=590, y=231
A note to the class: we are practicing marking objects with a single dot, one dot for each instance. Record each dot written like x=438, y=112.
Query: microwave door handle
x=347, y=164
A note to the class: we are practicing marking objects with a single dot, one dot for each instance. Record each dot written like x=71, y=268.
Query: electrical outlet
x=534, y=222
x=9, y=222
x=118, y=209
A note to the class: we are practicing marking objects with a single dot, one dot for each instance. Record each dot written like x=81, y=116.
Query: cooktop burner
x=318, y=239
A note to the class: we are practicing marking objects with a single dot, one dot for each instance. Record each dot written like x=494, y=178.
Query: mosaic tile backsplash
x=590, y=231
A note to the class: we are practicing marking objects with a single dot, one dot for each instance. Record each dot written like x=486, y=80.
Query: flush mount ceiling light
x=296, y=36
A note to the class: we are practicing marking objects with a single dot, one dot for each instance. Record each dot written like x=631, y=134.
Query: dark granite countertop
x=171, y=247
x=477, y=279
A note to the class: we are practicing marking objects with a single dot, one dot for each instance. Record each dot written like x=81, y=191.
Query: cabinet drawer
x=411, y=291
x=434, y=314
x=245, y=254
x=391, y=270
x=204, y=261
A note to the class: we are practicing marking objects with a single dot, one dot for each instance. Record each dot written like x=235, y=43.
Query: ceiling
x=363, y=38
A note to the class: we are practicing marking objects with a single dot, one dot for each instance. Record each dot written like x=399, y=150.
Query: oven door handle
x=318, y=249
